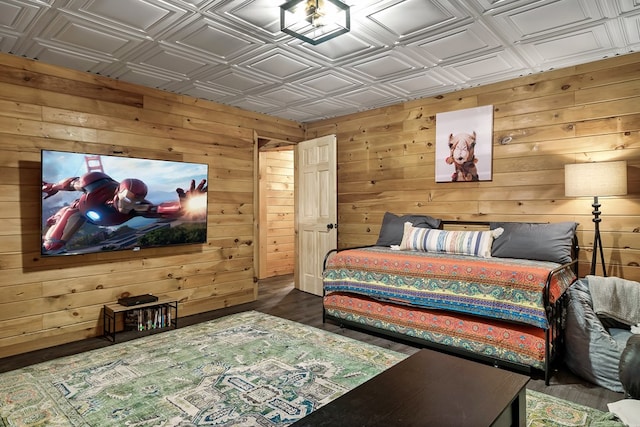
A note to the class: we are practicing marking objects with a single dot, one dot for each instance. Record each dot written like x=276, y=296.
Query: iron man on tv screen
x=95, y=203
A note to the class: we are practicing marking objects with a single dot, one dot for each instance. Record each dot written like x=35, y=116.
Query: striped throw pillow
x=474, y=243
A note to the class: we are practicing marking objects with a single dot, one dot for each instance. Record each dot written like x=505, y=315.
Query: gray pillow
x=393, y=227
x=542, y=242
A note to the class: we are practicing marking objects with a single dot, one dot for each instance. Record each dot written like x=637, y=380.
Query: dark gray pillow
x=542, y=242
x=393, y=227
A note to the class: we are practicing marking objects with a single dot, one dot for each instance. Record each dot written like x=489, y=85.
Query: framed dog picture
x=464, y=145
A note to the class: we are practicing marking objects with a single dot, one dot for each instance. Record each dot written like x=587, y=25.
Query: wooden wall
x=277, y=233
x=584, y=113
x=49, y=301
x=386, y=157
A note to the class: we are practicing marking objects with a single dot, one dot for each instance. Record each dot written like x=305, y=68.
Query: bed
x=494, y=292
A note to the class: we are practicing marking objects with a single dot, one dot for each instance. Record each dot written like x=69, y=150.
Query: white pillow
x=627, y=410
x=475, y=243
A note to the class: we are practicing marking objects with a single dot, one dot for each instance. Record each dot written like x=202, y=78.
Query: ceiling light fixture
x=315, y=21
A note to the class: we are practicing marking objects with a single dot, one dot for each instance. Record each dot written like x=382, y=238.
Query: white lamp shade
x=595, y=179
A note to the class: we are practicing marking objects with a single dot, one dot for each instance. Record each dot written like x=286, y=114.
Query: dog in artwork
x=462, y=148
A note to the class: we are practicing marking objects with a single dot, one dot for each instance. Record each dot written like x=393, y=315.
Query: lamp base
x=597, y=240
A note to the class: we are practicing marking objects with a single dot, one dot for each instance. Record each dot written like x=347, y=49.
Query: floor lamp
x=594, y=180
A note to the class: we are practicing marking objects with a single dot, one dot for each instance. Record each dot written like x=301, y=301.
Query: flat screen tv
x=99, y=203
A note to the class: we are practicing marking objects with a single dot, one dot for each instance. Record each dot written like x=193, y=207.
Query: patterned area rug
x=247, y=369
x=547, y=411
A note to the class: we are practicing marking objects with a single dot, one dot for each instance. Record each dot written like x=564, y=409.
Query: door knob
x=332, y=226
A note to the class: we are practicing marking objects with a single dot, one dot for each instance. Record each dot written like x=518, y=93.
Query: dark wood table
x=430, y=388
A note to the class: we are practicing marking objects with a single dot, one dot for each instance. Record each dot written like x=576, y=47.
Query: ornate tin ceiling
x=233, y=52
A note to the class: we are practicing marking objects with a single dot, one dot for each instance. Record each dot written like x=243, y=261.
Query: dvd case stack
x=145, y=319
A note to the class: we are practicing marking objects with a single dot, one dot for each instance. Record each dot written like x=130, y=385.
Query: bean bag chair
x=592, y=351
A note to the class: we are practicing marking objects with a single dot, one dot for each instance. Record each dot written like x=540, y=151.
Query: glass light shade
x=315, y=21
x=595, y=179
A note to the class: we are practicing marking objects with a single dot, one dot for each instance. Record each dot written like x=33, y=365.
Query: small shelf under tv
x=158, y=315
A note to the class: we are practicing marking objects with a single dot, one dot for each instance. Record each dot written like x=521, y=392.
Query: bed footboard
x=556, y=315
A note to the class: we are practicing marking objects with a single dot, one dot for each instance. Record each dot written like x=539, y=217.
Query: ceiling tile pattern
x=233, y=52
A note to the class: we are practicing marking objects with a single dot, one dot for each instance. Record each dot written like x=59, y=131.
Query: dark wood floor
x=278, y=297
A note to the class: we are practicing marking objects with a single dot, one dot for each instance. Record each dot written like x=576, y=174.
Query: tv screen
x=97, y=203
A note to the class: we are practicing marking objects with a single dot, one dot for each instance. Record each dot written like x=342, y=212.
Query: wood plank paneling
x=386, y=162
x=50, y=301
x=277, y=213
x=386, y=157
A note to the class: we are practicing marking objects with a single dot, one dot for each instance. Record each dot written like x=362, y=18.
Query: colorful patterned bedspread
x=498, y=288
x=495, y=339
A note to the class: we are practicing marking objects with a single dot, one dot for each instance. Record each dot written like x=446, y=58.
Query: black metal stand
x=597, y=241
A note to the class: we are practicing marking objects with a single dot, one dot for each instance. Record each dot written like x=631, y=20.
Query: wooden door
x=316, y=209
